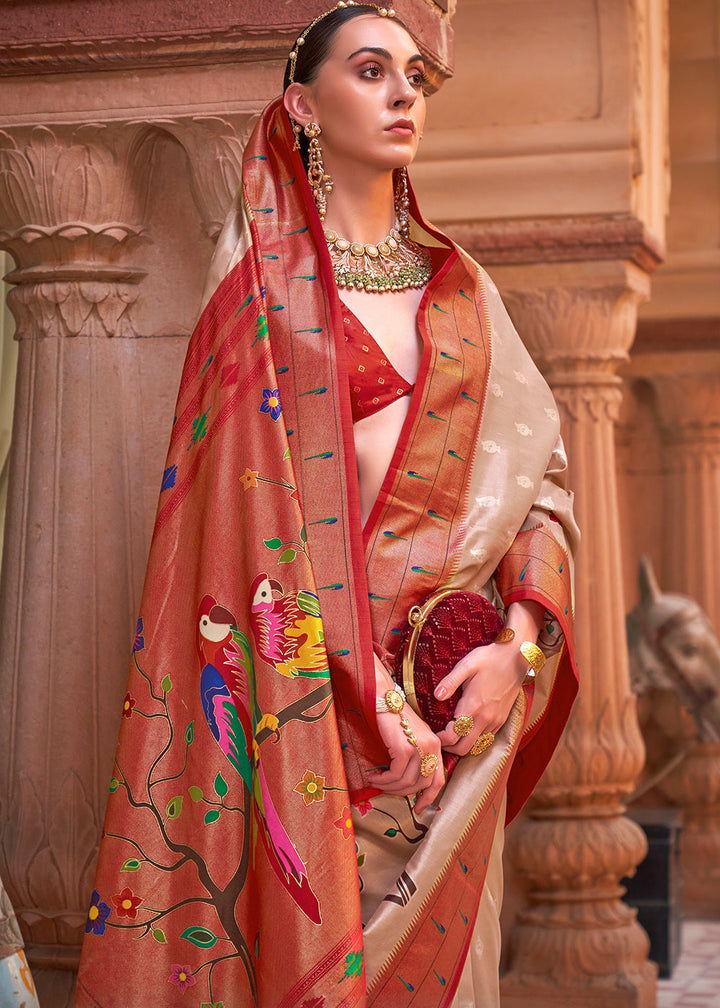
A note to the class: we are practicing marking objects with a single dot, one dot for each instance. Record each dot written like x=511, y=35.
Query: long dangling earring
x=320, y=182
x=402, y=203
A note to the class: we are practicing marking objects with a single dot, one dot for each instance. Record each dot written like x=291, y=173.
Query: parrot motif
x=227, y=688
x=288, y=629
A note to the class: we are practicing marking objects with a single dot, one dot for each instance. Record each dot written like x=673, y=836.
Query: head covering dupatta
x=238, y=760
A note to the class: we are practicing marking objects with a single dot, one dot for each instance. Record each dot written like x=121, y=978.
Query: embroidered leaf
x=212, y=816
x=199, y=936
x=288, y=556
x=195, y=792
x=174, y=807
x=391, y=832
x=190, y=733
x=132, y=864
x=114, y=784
x=159, y=935
x=221, y=787
x=169, y=477
x=273, y=543
x=166, y=684
x=303, y=534
x=199, y=426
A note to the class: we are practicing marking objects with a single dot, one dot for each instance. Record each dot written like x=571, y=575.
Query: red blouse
x=374, y=382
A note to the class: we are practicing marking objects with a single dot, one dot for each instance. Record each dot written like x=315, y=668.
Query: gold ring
x=482, y=743
x=463, y=725
x=428, y=764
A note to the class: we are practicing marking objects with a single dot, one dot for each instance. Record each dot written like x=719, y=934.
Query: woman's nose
x=405, y=93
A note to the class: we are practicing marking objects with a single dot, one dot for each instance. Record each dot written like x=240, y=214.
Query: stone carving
x=673, y=649
x=70, y=216
x=675, y=666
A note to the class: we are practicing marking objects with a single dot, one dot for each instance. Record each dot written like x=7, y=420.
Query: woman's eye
x=418, y=80
x=371, y=71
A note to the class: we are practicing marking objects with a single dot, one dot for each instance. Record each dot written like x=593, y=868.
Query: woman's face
x=368, y=96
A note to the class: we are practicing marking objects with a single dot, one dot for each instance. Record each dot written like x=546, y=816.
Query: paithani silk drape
x=228, y=869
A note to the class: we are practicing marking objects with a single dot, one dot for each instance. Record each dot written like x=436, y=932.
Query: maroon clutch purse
x=440, y=633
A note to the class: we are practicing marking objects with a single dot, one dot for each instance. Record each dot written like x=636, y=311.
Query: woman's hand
x=403, y=777
x=491, y=678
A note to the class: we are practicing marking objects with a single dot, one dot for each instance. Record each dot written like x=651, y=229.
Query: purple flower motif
x=168, y=479
x=139, y=639
x=97, y=915
x=182, y=976
x=271, y=403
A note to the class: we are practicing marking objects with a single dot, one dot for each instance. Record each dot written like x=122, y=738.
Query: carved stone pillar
x=687, y=555
x=578, y=942
x=93, y=413
x=689, y=408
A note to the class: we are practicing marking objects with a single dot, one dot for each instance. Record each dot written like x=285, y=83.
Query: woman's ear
x=297, y=105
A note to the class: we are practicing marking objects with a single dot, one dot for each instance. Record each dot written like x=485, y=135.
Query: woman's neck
x=361, y=211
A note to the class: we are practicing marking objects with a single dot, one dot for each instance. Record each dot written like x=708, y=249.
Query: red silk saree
x=228, y=869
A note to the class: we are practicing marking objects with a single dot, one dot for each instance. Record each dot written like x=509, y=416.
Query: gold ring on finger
x=482, y=743
x=428, y=764
x=463, y=725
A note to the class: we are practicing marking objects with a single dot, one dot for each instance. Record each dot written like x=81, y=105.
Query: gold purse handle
x=417, y=618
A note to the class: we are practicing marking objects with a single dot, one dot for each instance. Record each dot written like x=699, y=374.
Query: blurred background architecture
x=576, y=154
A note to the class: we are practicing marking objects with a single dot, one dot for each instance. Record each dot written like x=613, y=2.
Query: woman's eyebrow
x=379, y=51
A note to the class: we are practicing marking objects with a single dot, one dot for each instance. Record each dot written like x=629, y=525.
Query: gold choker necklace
x=392, y=265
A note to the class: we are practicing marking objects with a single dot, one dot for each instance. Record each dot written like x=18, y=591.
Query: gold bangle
x=533, y=656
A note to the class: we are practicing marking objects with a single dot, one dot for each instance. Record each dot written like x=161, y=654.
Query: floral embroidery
x=363, y=807
x=128, y=704
x=182, y=976
x=127, y=903
x=344, y=823
x=249, y=479
x=312, y=788
x=97, y=915
x=139, y=639
x=271, y=403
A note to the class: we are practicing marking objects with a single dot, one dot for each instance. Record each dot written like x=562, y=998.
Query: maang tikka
x=320, y=182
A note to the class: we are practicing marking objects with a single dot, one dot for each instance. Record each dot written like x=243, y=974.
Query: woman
x=339, y=454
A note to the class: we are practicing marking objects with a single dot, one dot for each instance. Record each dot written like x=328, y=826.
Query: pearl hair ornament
x=382, y=11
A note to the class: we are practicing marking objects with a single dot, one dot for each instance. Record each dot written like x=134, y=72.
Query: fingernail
x=441, y=693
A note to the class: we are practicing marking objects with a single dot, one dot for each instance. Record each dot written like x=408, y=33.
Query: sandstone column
x=577, y=942
x=687, y=412
x=93, y=412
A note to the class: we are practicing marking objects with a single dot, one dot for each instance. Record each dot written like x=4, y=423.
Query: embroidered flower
x=345, y=823
x=139, y=639
x=127, y=903
x=523, y=429
x=97, y=915
x=128, y=704
x=524, y=481
x=271, y=403
x=182, y=976
x=353, y=964
x=312, y=788
x=363, y=807
x=551, y=414
x=519, y=376
x=491, y=447
x=488, y=501
x=497, y=390
x=249, y=479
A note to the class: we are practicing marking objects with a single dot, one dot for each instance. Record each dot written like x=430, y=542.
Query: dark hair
x=316, y=48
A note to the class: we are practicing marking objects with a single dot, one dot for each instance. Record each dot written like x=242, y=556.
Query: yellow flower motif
x=312, y=788
x=249, y=479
